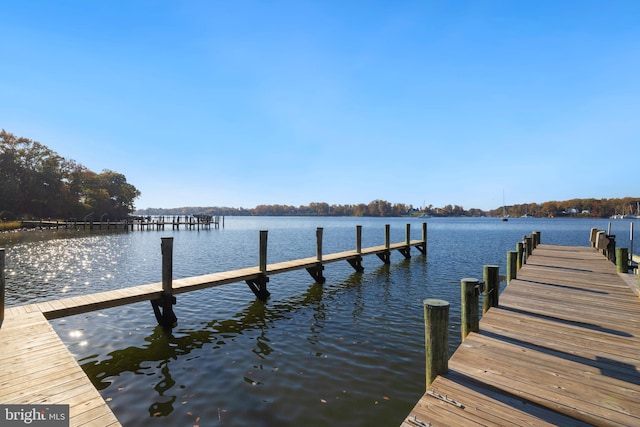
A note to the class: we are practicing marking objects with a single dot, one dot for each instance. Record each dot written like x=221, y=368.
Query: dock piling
x=469, y=314
x=423, y=247
x=386, y=255
x=406, y=251
x=436, y=326
x=163, y=306
x=536, y=238
x=593, y=236
x=316, y=271
x=259, y=284
x=519, y=255
x=491, y=278
x=622, y=260
x=512, y=265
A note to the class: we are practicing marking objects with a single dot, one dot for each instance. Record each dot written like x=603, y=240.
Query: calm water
x=347, y=353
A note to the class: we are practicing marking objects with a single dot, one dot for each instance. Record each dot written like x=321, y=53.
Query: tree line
x=381, y=208
x=593, y=208
x=36, y=182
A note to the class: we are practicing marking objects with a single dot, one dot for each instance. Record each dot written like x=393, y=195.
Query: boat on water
x=624, y=214
x=505, y=217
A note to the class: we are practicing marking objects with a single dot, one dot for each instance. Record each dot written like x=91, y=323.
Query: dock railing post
x=2, y=285
x=436, y=332
x=512, y=265
x=622, y=260
x=469, y=298
x=491, y=278
x=358, y=239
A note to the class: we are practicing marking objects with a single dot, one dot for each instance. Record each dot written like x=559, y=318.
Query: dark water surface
x=346, y=353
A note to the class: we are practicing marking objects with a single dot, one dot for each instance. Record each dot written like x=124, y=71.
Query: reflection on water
x=346, y=353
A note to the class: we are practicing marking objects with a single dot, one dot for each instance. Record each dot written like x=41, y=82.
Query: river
x=346, y=353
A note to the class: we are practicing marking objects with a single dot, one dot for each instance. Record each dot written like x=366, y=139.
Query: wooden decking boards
x=561, y=349
x=37, y=368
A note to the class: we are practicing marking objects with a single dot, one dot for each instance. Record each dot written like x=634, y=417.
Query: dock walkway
x=562, y=349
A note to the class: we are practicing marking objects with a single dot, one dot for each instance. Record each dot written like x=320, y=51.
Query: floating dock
x=562, y=348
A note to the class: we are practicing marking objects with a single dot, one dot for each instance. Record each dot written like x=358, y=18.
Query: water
x=346, y=353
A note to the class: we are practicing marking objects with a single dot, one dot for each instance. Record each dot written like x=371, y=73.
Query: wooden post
x=167, y=265
x=611, y=248
x=593, y=237
x=356, y=262
x=406, y=251
x=469, y=315
x=316, y=270
x=319, y=244
x=436, y=333
x=536, y=238
x=622, y=260
x=491, y=278
x=387, y=236
x=529, y=244
x=2, y=285
x=630, y=239
x=163, y=306
x=520, y=254
x=407, y=238
x=386, y=255
x=512, y=265
x=259, y=284
x=423, y=246
x=263, y=250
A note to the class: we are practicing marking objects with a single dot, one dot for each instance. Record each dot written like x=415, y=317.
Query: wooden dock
x=189, y=222
x=37, y=368
x=562, y=348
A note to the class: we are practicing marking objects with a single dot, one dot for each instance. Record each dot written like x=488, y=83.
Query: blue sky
x=241, y=103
